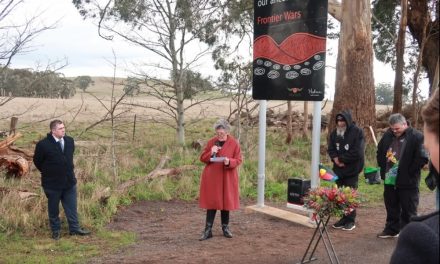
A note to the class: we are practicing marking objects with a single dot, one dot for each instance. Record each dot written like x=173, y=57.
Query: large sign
x=289, y=49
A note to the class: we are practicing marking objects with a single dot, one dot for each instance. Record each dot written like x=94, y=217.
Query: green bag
x=391, y=175
x=372, y=175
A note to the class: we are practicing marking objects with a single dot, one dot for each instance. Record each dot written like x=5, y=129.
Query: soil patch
x=168, y=232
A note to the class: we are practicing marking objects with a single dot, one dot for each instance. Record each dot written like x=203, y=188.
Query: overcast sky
x=88, y=54
x=75, y=39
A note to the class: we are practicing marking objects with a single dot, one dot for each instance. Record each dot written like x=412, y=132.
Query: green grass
x=19, y=248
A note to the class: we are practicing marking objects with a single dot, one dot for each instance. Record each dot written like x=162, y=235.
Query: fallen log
x=14, y=160
x=198, y=144
x=101, y=194
x=22, y=194
x=13, y=150
x=15, y=165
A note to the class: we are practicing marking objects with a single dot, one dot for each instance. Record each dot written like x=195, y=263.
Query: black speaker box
x=296, y=189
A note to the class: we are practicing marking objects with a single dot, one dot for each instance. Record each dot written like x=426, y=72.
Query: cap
x=340, y=117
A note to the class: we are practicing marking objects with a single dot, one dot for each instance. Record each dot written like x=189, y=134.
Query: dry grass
x=20, y=214
x=84, y=108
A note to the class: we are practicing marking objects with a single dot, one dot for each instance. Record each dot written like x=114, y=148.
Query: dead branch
x=22, y=194
x=121, y=188
x=104, y=193
x=9, y=140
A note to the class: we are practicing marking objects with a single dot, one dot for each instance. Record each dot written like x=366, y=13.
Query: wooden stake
x=373, y=135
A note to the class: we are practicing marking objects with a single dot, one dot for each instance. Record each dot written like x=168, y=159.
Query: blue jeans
x=68, y=200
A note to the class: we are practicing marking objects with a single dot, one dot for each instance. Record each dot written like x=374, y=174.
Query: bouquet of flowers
x=332, y=201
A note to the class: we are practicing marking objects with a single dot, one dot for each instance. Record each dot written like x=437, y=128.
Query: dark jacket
x=55, y=166
x=349, y=149
x=418, y=242
x=412, y=158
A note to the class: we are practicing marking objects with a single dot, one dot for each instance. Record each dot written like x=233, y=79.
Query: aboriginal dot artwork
x=289, y=49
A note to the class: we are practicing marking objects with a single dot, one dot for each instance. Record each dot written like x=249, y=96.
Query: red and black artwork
x=289, y=49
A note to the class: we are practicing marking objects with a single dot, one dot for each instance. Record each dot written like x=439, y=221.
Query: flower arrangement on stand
x=331, y=201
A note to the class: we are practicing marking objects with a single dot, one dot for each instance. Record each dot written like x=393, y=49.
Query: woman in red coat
x=219, y=182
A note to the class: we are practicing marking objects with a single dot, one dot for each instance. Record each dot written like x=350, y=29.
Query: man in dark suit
x=53, y=157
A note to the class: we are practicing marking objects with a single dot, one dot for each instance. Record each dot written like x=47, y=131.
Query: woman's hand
x=226, y=161
x=215, y=149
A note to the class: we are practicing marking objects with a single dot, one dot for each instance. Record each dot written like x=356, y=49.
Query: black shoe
x=388, y=234
x=80, y=232
x=207, y=234
x=56, y=235
x=226, y=232
x=349, y=226
x=340, y=224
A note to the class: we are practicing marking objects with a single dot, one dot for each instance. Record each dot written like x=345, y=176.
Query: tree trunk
x=354, y=87
x=180, y=121
x=400, y=51
x=289, y=122
x=416, y=24
x=415, y=109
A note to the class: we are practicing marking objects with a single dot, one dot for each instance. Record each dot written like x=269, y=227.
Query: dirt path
x=168, y=232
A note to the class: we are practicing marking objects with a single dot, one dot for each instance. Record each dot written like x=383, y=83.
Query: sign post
x=289, y=64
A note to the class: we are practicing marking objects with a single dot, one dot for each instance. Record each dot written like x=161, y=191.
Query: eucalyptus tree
x=423, y=28
x=27, y=83
x=83, y=82
x=176, y=35
x=384, y=94
x=132, y=86
x=354, y=87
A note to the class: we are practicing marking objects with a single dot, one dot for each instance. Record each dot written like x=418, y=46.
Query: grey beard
x=340, y=131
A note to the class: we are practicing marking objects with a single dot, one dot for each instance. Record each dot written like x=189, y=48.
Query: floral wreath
x=331, y=201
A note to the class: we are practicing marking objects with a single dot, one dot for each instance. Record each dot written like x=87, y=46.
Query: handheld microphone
x=217, y=143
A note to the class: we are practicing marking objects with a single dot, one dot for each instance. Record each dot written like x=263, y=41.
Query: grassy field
x=84, y=107
x=24, y=232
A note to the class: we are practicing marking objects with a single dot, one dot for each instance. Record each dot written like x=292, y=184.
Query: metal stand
x=321, y=227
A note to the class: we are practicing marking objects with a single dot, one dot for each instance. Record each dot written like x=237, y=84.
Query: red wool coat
x=219, y=183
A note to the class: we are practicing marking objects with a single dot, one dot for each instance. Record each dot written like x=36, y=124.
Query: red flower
x=332, y=201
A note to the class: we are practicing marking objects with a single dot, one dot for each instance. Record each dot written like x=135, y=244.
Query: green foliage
x=384, y=94
x=25, y=83
x=276, y=191
x=385, y=25
x=132, y=86
x=82, y=82
x=384, y=29
x=193, y=83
